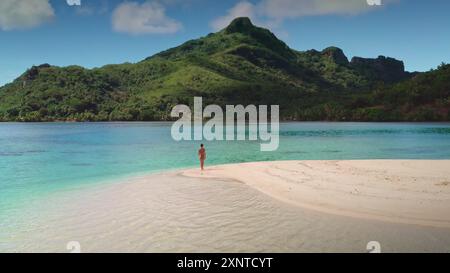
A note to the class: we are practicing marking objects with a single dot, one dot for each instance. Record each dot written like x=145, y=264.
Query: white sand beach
x=292, y=206
x=415, y=192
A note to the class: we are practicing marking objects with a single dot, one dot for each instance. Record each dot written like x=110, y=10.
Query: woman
x=202, y=156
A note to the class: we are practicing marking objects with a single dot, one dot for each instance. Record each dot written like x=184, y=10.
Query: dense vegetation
x=241, y=64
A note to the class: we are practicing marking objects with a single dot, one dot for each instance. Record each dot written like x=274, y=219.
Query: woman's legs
x=202, y=163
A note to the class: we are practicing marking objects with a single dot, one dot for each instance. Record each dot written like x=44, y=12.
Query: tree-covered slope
x=241, y=64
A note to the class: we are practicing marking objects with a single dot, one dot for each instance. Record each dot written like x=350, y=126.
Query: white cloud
x=241, y=9
x=146, y=18
x=271, y=13
x=22, y=14
x=247, y=9
x=296, y=8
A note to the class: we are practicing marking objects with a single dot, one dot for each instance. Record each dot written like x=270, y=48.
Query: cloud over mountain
x=22, y=14
x=273, y=12
x=241, y=9
x=146, y=18
x=296, y=8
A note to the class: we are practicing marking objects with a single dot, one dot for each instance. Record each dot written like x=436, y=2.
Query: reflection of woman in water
x=202, y=156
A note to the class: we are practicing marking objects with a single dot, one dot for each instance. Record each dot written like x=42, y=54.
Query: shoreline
x=352, y=192
x=248, y=207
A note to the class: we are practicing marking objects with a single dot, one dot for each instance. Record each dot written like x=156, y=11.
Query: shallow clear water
x=38, y=158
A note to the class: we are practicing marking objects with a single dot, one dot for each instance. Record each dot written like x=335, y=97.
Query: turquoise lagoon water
x=39, y=158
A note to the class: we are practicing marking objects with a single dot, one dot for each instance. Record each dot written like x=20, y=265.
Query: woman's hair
x=201, y=145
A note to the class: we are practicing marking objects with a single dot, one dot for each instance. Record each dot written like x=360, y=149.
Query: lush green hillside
x=241, y=64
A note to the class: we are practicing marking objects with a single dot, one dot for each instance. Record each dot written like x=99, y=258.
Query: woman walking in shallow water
x=202, y=156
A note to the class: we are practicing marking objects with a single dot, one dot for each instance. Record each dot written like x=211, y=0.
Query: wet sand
x=399, y=191
x=294, y=206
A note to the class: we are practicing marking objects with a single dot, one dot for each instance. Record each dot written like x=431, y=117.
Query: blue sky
x=100, y=32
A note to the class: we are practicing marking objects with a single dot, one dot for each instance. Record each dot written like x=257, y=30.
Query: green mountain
x=242, y=64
